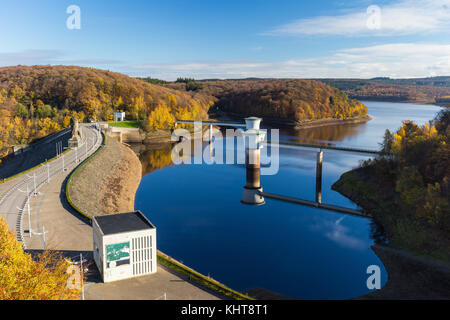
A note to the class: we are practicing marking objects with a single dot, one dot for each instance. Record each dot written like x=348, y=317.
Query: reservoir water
x=293, y=250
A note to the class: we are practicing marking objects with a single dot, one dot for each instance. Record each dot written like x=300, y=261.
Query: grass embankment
x=81, y=206
x=199, y=278
x=126, y=124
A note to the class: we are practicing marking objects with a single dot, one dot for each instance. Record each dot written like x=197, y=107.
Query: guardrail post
x=210, y=133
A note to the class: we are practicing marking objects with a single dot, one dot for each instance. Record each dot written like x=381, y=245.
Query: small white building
x=124, y=245
x=119, y=116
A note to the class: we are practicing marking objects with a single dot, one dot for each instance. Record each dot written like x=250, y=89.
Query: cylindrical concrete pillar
x=319, y=177
x=253, y=168
x=210, y=133
x=253, y=178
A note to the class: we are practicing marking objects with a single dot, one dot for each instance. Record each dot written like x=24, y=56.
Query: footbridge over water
x=253, y=193
x=319, y=145
x=212, y=123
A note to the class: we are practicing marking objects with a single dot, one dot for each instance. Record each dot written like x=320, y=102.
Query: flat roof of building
x=123, y=222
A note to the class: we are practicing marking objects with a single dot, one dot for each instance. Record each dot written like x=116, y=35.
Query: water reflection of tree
x=155, y=157
x=377, y=233
x=327, y=133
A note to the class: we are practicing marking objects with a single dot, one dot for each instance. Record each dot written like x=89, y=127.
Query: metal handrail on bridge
x=319, y=205
x=281, y=143
x=318, y=146
x=212, y=123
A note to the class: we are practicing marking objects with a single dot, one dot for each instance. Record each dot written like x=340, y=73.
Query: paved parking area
x=159, y=286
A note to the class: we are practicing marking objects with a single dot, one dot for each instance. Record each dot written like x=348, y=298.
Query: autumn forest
x=38, y=100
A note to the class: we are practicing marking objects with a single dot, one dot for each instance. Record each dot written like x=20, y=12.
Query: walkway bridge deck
x=213, y=123
x=318, y=205
x=282, y=143
x=320, y=146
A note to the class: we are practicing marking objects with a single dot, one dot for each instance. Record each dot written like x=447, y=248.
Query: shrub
x=23, y=278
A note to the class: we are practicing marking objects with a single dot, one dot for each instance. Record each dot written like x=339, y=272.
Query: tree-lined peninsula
x=293, y=102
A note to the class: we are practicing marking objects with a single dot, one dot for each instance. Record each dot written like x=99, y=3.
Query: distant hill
x=292, y=101
x=421, y=90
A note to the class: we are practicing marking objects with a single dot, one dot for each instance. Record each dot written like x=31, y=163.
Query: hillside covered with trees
x=38, y=100
x=420, y=90
x=292, y=100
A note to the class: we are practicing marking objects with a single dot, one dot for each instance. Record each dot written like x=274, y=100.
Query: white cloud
x=400, y=60
x=29, y=57
x=223, y=69
x=44, y=57
x=397, y=60
x=340, y=234
x=399, y=18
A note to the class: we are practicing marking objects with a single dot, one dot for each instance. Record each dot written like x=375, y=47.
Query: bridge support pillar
x=319, y=177
x=254, y=136
x=253, y=187
x=210, y=133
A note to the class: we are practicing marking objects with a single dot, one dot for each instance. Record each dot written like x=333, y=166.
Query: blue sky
x=233, y=39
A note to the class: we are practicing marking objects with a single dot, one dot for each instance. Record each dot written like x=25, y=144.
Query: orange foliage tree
x=25, y=278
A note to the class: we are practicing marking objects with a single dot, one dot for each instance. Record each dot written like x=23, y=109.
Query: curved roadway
x=14, y=200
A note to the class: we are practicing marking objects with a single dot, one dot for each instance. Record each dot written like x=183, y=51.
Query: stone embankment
x=108, y=182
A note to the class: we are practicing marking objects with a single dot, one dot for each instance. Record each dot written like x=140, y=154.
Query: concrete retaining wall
x=131, y=135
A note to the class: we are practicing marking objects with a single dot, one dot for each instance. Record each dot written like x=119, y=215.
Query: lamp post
x=29, y=209
x=48, y=171
x=82, y=274
x=34, y=180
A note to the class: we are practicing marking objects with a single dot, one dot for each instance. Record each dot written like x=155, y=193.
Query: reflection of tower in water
x=253, y=193
x=253, y=187
x=319, y=177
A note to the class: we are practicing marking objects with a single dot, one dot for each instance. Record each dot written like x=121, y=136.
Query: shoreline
x=332, y=122
x=351, y=185
x=411, y=274
x=424, y=102
x=297, y=125
x=164, y=136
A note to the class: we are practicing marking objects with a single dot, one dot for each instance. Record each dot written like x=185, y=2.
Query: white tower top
x=253, y=123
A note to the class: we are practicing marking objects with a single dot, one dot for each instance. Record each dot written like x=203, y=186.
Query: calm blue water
x=293, y=250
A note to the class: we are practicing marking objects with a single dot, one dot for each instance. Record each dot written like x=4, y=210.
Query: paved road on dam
x=16, y=194
x=65, y=232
